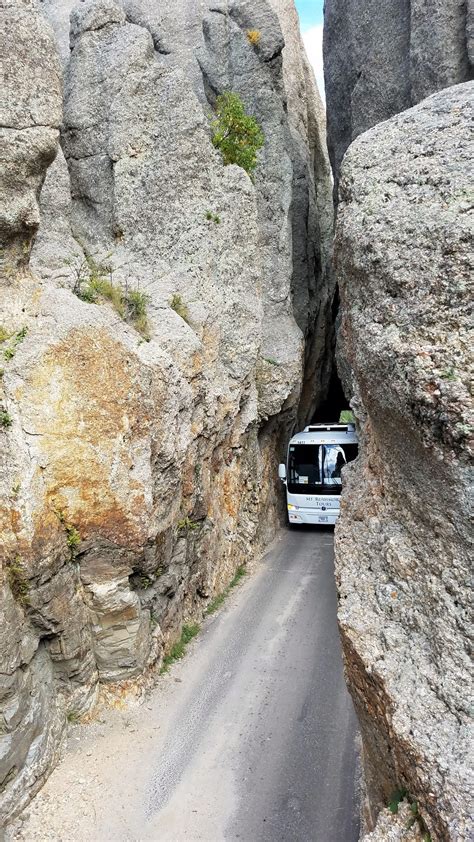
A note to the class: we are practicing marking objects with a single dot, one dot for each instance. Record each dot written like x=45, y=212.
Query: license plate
x=322, y=519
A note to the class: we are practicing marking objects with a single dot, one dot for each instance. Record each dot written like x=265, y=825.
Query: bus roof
x=326, y=434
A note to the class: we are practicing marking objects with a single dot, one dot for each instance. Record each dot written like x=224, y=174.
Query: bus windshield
x=316, y=468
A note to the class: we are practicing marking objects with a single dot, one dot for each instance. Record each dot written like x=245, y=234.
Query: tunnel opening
x=334, y=403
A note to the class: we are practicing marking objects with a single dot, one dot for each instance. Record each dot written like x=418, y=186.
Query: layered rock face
x=138, y=454
x=383, y=56
x=403, y=254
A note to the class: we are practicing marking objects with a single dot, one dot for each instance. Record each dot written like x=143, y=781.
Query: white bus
x=312, y=474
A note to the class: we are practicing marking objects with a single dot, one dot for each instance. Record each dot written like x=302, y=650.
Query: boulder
x=403, y=254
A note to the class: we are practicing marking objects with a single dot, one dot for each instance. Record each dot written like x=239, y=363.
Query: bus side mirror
x=282, y=472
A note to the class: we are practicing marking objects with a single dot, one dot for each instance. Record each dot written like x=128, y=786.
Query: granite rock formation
x=403, y=254
x=138, y=465
x=383, y=56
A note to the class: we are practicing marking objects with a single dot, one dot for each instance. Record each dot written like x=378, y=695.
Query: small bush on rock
x=136, y=303
x=237, y=135
x=15, y=340
x=5, y=419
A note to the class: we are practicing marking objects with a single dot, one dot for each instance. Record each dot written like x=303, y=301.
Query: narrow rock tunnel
x=334, y=402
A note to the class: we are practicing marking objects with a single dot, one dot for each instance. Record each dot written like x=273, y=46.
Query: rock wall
x=403, y=253
x=138, y=459
x=383, y=56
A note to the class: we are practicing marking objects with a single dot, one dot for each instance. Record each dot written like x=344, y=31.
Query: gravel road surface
x=251, y=737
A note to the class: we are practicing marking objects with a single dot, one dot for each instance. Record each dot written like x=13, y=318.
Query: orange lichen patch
x=197, y=362
x=15, y=519
x=210, y=341
x=9, y=522
x=254, y=36
x=85, y=403
x=231, y=493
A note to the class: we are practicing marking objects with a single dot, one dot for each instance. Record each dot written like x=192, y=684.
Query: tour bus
x=312, y=474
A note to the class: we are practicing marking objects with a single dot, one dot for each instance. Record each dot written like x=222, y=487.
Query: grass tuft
x=5, y=419
x=220, y=599
x=187, y=525
x=212, y=217
x=178, y=650
x=18, y=337
x=177, y=304
x=94, y=283
x=73, y=539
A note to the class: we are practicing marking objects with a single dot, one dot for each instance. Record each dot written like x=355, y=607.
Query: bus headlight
x=291, y=507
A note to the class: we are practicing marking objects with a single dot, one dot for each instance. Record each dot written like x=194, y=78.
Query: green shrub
x=5, y=419
x=18, y=337
x=346, y=417
x=136, y=303
x=143, y=582
x=236, y=134
x=73, y=539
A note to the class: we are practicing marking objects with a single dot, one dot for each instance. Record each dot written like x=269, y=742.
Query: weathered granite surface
x=404, y=260
x=383, y=56
x=138, y=471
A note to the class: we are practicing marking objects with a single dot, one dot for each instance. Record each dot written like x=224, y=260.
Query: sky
x=311, y=19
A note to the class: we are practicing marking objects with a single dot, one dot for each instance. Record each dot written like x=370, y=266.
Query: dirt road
x=251, y=737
